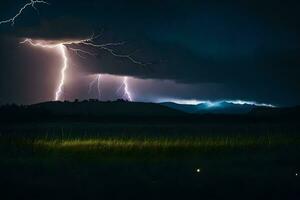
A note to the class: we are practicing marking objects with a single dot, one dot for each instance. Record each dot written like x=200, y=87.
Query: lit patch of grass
x=143, y=145
x=161, y=144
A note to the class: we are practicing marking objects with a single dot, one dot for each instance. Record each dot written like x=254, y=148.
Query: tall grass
x=146, y=144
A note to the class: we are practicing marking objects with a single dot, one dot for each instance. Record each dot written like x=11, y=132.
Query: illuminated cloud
x=253, y=58
x=62, y=46
x=241, y=102
x=213, y=104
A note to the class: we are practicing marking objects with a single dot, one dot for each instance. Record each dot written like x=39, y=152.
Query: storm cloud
x=240, y=50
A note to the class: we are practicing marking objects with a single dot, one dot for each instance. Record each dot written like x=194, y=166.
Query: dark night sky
x=199, y=50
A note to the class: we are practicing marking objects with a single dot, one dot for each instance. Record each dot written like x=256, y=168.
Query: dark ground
x=268, y=171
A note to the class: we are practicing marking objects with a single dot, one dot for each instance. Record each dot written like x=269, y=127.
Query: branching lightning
x=63, y=46
x=59, y=90
x=96, y=81
x=126, y=91
x=81, y=53
x=108, y=47
x=32, y=3
x=80, y=50
x=62, y=49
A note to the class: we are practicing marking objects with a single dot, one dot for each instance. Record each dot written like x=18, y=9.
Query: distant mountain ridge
x=222, y=107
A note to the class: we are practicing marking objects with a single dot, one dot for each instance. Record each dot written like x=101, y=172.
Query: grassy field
x=135, y=162
x=150, y=144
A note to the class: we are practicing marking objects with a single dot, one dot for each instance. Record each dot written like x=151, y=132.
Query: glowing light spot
x=198, y=170
x=210, y=104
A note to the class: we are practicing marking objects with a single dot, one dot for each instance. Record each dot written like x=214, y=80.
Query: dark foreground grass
x=149, y=161
x=148, y=167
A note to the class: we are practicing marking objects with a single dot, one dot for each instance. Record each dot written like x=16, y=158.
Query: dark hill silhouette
x=96, y=108
x=135, y=112
x=277, y=112
x=91, y=110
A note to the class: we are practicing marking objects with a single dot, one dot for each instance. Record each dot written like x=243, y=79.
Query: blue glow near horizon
x=210, y=104
x=213, y=104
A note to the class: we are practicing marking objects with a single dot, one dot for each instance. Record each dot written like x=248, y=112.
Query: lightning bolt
x=31, y=3
x=62, y=50
x=92, y=83
x=126, y=91
x=59, y=90
x=96, y=80
x=63, y=46
x=81, y=49
x=98, y=85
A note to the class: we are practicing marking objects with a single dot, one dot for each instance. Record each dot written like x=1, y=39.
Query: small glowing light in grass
x=198, y=170
x=296, y=174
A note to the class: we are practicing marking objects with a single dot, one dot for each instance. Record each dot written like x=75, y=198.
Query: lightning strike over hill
x=96, y=81
x=59, y=90
x=32, y=3
x=126, y=91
